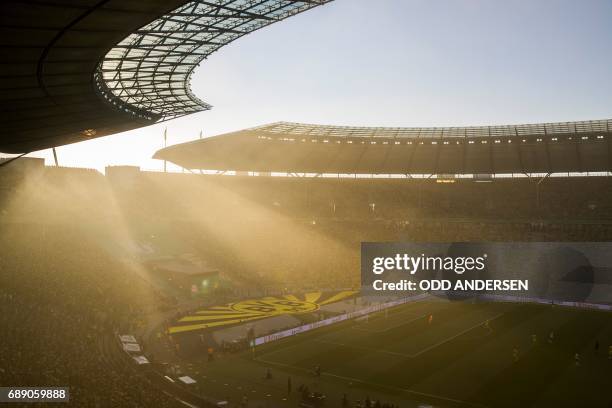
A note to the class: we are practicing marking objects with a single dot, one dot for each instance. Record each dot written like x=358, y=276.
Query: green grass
x=454, y=361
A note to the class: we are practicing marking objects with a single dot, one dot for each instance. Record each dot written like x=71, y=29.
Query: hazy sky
x=394, y=63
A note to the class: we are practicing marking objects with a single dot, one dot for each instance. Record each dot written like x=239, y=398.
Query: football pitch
x=455, y=354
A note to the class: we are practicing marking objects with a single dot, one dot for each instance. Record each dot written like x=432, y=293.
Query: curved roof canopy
x=301, y=148
x=74, y=70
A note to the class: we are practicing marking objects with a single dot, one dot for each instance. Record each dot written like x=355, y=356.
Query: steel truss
x=148, y=73
x=583, y=128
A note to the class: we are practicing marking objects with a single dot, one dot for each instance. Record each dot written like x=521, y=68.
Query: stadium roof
x=74, y=70
x=301, y=148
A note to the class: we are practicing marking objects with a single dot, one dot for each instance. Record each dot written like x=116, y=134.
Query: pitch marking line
x=335, y=334
x=376, y=316
x=372, y=350
x=406, y=390
x=426, y=349
x=392, y=327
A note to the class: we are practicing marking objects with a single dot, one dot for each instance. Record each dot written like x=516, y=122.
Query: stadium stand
x=301, y=148
x=310, y=215
x=72, y=278
x=482, y=151
x=62, y=299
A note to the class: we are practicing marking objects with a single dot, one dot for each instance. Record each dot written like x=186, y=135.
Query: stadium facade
x=72, y=71
x=546, y=148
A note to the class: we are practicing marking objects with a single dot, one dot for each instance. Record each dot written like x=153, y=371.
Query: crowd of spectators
x=66, y=288
x=553, y=198
x=62, y=300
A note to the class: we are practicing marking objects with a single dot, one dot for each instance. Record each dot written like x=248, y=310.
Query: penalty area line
x=395, y=326
x=406, y=355
x=433, y=346
x=375, y=318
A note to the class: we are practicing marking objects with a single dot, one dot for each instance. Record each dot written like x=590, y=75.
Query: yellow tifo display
x=254, y=309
